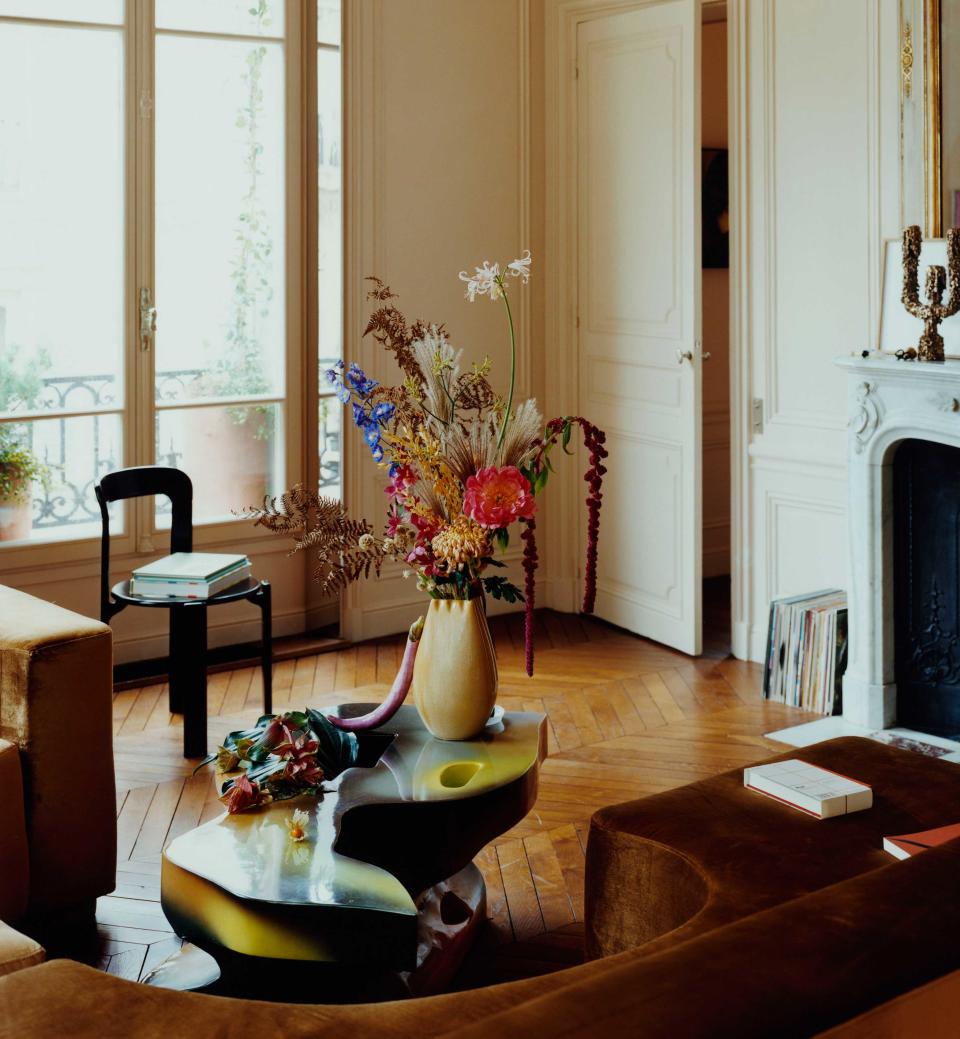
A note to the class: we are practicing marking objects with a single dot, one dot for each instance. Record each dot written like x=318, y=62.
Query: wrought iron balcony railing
x=78, y=451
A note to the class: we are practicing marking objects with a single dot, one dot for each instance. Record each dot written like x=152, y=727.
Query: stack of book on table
x=189, y=575
x=807, y=651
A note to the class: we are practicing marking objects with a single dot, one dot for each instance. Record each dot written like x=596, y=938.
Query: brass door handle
x=684, y=355
x=706, y=355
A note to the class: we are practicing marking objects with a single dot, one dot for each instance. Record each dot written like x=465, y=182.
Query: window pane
x=219, y=224
x=328, y=21
x=329, y=420
x=61, y=214
x=48, y=470
x=232, y=455
x=329, y=231
x=329, y=260
x=66, y=10
x=245, y=17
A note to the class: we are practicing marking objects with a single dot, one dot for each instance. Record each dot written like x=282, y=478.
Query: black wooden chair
x=188, y=617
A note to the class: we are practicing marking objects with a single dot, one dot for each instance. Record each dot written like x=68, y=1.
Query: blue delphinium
x=358, y=380
x=369, y=418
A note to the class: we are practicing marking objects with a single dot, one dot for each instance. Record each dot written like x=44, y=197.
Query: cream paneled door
x=638, y=190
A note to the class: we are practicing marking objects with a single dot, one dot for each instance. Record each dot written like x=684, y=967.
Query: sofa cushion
x=683, y=862
x=17, y=950
x=56, y=705
x=14, y=867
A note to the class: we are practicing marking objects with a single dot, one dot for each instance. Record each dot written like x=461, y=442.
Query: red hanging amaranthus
x=530, y=559
x=593, y=440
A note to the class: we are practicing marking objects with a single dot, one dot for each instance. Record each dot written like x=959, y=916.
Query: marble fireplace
x=903, y=588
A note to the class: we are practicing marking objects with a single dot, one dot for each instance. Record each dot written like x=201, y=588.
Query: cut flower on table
x=463, y=465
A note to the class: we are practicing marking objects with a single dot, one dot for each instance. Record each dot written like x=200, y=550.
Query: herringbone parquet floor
x=627, y=718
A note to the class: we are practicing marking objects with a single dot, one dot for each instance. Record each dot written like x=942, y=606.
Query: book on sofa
x=808, y=788
x=189, y=575
x=907, y=844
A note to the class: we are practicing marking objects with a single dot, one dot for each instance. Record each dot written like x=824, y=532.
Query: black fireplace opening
x=926, y=586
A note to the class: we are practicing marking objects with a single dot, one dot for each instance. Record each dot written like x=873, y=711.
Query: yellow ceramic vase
x=455, y=672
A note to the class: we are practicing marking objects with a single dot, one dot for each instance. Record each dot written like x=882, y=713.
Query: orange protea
x=460, y=542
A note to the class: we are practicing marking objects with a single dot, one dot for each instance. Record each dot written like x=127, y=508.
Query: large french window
x=153, y=192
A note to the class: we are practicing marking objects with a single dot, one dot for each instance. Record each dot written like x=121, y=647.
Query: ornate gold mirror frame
x=921, y=114
x=932, y=108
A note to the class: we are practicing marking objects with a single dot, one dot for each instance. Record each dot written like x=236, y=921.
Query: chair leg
x=266, y=659
x=192, y=649
x=177, y=675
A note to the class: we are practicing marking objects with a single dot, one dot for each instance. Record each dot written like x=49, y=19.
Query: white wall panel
x=438, y=107
x=816, y=173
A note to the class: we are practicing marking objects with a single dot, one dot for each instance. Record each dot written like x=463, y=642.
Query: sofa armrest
x=56, y=705
x=14, y=861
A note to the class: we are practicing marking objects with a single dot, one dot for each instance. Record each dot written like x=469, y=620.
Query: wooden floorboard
x=627, y=718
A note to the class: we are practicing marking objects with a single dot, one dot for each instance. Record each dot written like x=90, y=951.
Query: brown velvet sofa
x=58, y=833
x=714, y=913
x=793, y=970
x=17, y=951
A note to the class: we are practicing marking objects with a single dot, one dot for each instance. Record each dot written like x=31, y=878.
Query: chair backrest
x=138, y=482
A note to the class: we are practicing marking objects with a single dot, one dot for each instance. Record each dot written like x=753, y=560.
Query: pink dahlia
x=497, y=497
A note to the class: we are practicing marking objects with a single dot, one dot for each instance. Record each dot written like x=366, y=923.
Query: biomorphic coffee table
x=382, y=897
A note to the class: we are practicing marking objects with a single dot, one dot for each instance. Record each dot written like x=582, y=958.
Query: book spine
x=784, y=797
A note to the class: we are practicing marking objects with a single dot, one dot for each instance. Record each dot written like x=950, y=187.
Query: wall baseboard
x=740, y=640
x=136, y=648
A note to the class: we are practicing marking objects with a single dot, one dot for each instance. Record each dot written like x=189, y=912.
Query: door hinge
x=756, y=415
x=148, y=319
x=576, y=71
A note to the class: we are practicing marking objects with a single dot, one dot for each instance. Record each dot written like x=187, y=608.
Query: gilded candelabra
x=931, y=313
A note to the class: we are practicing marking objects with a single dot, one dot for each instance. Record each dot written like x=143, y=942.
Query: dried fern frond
x=346, y=548
x=380, y=290
x=288, y=513
x=390, y=329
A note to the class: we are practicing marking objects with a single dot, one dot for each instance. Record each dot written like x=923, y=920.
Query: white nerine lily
x=520, y=268
x=483, y=282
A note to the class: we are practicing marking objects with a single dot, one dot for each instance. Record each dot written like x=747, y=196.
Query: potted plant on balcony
x=19, y=467
x=21, y=387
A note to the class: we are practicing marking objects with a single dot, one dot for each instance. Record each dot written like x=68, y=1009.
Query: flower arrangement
x=463, y=464
x=282, y=756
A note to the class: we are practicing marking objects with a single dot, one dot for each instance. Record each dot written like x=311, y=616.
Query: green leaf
x=502, y=538
x=338, y=749
x=567, y=430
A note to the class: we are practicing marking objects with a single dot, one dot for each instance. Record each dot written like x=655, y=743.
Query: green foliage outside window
x=21, y=388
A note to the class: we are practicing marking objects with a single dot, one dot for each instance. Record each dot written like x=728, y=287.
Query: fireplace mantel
x=888, y=401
